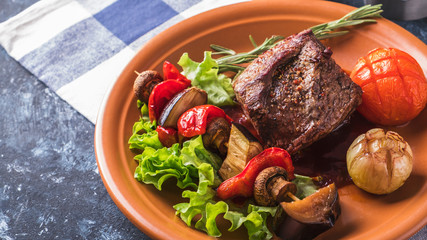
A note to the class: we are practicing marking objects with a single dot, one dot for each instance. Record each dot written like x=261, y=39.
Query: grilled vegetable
x=180, y=103
x=167, y=136
x=242, y=147
x=309, y=217
x=379, y=162
x=145, y=83
x=272, y=187
x=160, y=96
x=195, y=120
x=242, y=185
x=171, y=72
x=394, y=86
x=217, y=135
x=320, y=207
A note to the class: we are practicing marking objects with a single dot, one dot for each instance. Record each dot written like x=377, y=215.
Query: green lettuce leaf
x=144, y=132
x=255, y=221
x=194, y=153
x=305, y=186
x=143, y=140
x=201, y=203
x=158, y=165
x=205, y=75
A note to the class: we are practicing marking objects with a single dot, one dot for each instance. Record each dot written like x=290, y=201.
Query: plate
x=364, y=216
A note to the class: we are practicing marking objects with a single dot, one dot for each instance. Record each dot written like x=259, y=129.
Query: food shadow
x=327, y=157
x=409, y=189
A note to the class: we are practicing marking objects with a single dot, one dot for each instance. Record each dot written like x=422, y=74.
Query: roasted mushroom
x=145, y=83
x=180, y=103
x=217, y=135
x=321, y=207
x=242, y=147
x=309, y=217
x=272, y=187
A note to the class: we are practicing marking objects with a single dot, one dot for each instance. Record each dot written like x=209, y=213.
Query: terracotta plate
x=364, y=216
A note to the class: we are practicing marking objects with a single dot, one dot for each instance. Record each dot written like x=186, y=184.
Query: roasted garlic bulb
x=379, y=162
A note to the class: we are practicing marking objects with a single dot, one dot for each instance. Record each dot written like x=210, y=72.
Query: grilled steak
x=295, y=93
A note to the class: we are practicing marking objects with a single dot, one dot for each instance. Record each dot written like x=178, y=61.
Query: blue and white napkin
x=78, y=48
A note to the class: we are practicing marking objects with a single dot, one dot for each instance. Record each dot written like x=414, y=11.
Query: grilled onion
x=379, y=162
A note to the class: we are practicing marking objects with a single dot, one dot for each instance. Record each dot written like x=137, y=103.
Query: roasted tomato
x=394, y=86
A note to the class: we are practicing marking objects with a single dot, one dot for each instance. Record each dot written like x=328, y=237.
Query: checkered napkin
x=78, y=48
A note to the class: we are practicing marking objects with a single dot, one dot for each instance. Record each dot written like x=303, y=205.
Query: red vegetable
x=161, y=94
x=167, y=136
x=166, y=90
x=242, y=185
x=171, y=72
x=193, y=122
x=394, y=86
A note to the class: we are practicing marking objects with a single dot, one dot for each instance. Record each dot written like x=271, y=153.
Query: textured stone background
x=50, y=186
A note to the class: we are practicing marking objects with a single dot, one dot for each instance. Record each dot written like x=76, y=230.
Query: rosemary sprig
x=359, y=16
x=230, y=60
x=231, y=57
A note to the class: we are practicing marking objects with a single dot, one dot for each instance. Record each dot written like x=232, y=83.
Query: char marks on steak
x=294, y=94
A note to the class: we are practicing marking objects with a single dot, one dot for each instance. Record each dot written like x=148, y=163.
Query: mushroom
x=321, y=207
x=272, y=187
x=297, y=219
x=180, y=103
x=217, y=135
x=145, y=83
x=242, y=147
x=309, y=217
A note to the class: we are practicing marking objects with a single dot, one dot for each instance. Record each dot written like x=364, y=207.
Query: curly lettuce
x=144, y=132
x=158, y=165
x=201, y=203
x=205, y=75
x=193, y=153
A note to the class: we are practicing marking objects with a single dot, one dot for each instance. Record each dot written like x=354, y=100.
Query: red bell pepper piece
x=171, y=72
x=243, y=184
x=166, y=90
x=161, y=94
x=167, y=136
x=194, y=121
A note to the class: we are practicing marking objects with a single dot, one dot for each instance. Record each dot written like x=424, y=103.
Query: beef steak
x=294, y=94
